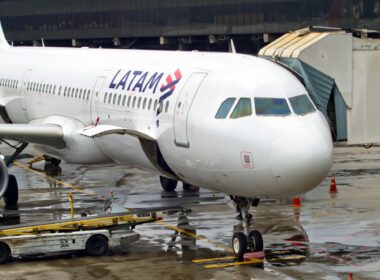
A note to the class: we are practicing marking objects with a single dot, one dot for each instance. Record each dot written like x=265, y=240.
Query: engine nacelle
x=3, y=177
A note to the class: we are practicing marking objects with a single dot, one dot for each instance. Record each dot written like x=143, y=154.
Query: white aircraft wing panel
x=102, y=130
x=45, y=134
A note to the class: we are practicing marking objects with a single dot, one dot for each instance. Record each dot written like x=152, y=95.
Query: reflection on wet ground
x=328, y=237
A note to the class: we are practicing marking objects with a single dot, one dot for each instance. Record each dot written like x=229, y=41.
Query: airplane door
x=95, y=98
x=24, y=91
x=183, y=106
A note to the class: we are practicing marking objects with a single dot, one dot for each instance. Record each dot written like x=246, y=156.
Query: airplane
x=227, y=122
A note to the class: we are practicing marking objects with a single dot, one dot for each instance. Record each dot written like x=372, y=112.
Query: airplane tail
x=3, y=40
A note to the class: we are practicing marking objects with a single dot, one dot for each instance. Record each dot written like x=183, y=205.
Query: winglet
x=3, y=40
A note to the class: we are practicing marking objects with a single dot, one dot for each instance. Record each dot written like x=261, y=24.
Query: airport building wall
x=201, y=24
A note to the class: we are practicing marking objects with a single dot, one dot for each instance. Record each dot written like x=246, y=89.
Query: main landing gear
x=169, y=185
x=11, y=194
x=245, y=240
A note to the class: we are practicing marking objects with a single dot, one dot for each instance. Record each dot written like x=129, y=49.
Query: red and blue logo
x=169, y=88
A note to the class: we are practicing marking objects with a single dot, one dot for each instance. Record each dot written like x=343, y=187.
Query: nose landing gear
x=246, y=240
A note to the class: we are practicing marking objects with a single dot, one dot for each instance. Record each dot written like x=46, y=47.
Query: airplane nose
x=300, y=160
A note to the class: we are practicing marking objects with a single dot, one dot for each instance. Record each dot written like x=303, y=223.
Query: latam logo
x=169, y=88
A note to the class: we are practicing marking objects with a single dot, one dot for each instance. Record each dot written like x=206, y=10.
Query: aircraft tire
x=168, y=184
x=255, y=241
x=11, y=194
x=239, y=244
x=5, y=253
x=96, y=245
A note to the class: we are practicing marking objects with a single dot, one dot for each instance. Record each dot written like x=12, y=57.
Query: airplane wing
x=102, y=130
x=45, y=134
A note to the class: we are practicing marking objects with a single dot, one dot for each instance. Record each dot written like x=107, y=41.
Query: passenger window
x=129, y=101
x=109, y=98
x=150, y=103
x=302, y=104
x=144, y=103
x=242, y=109
x=155, y=105
x=76, y=93
x=88, y=94
x=134, y=102
x=50, y=89
x=119, y=100
x=124, y=99
x=114, y=99
x=161, y=106
x=59, y=91
x=224, y=108
x=80, y=93
x=64, y=92
x=271, y=106
x=105, y=97
x=139, y=103
x=167, y=106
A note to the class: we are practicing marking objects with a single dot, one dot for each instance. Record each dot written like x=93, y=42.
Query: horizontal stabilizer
x=102, y=130
x=45, y=134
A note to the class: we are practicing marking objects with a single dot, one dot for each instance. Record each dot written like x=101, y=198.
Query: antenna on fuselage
x=231, y=46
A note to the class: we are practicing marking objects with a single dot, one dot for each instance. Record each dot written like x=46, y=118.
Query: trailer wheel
x=96, y=245
x=5, y=253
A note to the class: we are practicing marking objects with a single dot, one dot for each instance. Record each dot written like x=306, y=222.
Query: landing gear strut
x=246, y=240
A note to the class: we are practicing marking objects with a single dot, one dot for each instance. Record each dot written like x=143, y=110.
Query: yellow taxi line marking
x=195, y=236
x=253, y=261
x=60, y=182
x=220, y=265
x=214, y=259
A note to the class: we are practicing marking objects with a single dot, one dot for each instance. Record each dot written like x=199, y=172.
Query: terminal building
x=184, y=25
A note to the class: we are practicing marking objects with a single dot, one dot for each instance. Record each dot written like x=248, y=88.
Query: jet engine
x=3, y=177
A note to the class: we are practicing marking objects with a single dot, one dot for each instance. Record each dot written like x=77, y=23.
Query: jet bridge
x=340, y=69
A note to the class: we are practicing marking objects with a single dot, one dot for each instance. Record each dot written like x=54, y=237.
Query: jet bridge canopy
x=339, y=69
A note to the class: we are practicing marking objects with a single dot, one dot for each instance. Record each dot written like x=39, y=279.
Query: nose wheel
x=246, y=241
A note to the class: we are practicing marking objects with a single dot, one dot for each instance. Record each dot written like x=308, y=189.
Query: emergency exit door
x=183, y=106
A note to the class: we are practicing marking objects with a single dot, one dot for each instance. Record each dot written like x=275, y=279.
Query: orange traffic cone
x=350, y=276
x=296, y=202
x=333, y=188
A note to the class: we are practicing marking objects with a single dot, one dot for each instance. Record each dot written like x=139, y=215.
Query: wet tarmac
x=328, y=237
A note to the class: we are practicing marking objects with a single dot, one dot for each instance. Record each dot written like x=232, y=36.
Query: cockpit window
x=225, y=108
x=271, y=106
x=242, y=109
x=302, y=105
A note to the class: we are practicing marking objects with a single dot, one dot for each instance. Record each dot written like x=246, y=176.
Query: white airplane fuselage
x=252, y=156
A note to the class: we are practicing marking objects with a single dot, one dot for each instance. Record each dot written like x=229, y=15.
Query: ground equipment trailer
x=92, y=234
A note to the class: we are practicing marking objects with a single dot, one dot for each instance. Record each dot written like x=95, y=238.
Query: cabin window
x=119, y=100
x=80, y=93
x=167, y=106
x=155, y=105
x=105, y=97
x=139, y=103
x=54, y=90
x=59, y=91
x=50, y=89
x=242, y=109
x=64, y=92
x=129, y=101
x=88, y=94
x=114, y=99
x=224, y=108
x=134, y=102
x=150, y=103
x=76, y=93
x=109, y=98
x=302, y=104
x=124, y=99
x=144, y=103
x=161, y=106
x=271, y=106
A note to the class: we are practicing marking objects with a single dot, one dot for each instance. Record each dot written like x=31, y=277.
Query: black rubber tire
x=96, y=245
x=168, y=184
x=190, y=188
x=5, y=253
x=239, y=244
x=255, y=241
x=11, y=194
